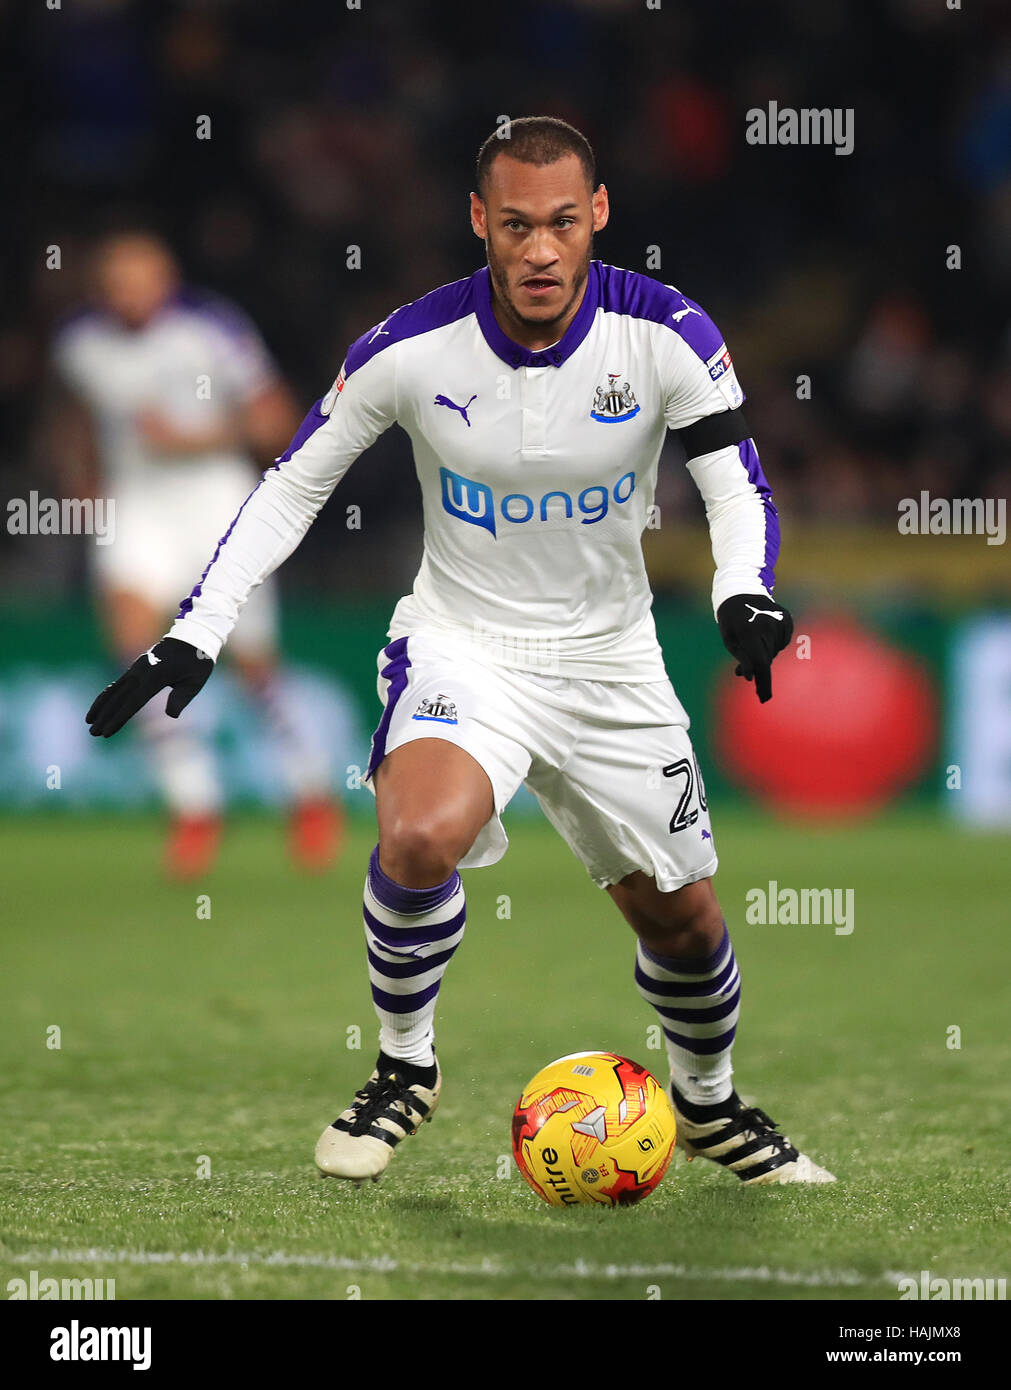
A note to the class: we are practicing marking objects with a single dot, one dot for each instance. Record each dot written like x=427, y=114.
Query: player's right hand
x=169, y=662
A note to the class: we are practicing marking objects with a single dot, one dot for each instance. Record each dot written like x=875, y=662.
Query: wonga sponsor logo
x=475, y=502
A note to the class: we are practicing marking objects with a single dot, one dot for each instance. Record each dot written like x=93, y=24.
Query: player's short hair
x=535, y=140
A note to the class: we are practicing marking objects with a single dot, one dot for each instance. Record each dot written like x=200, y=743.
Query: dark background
x=333, y=128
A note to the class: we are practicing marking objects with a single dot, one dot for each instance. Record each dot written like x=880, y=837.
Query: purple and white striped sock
x=411, y=933
x=698, y=1001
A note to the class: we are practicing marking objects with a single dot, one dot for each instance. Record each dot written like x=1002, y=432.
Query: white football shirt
x=198, y=360
x=537, y=473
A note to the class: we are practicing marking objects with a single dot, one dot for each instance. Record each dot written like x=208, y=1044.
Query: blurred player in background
x=168, y=397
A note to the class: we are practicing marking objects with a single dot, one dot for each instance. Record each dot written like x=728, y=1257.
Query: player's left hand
x=754, y=629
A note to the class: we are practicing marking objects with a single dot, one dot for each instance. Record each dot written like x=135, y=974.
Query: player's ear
x=478, y=215
x=601, y=208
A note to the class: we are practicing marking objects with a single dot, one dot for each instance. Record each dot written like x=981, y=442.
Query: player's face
x=135, y=276
x=538, y=224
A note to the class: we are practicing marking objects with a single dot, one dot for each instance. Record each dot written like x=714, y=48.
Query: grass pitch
x=167, y=1142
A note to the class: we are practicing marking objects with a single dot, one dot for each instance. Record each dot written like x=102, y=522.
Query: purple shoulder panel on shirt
x=639, y=296
x=433, y=310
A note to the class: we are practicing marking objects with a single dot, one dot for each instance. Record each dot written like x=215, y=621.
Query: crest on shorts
x=614, y=401
x=441, y=709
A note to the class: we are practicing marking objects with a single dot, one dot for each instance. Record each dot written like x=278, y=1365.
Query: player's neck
x=532, y=336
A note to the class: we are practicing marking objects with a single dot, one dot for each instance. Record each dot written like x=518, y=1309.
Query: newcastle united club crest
x=441, y=709
x=614, y=402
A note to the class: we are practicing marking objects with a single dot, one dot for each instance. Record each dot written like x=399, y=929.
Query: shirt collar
x=515, y=355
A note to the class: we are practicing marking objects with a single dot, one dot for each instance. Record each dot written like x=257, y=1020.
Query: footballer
x=537, y=393
x=166, y=394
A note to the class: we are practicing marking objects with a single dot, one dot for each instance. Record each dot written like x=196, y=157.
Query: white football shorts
x=611, y=764
x=167, y=527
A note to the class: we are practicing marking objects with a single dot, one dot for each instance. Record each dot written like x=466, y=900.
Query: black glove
x=169, y=662
x=754, y=629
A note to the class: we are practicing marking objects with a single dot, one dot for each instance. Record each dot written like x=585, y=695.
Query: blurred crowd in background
x=334, y=128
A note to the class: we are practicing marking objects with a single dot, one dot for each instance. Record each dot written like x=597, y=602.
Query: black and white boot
x=743, y=1139
x=391, y=1105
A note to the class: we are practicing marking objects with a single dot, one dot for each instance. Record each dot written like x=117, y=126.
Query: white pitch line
x=578, y=1269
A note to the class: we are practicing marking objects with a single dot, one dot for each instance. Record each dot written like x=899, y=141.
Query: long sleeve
x=743, y=522
x=275, y=516
x=700, y=384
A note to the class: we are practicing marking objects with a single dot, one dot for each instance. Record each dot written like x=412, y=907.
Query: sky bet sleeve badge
x=613, y=402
